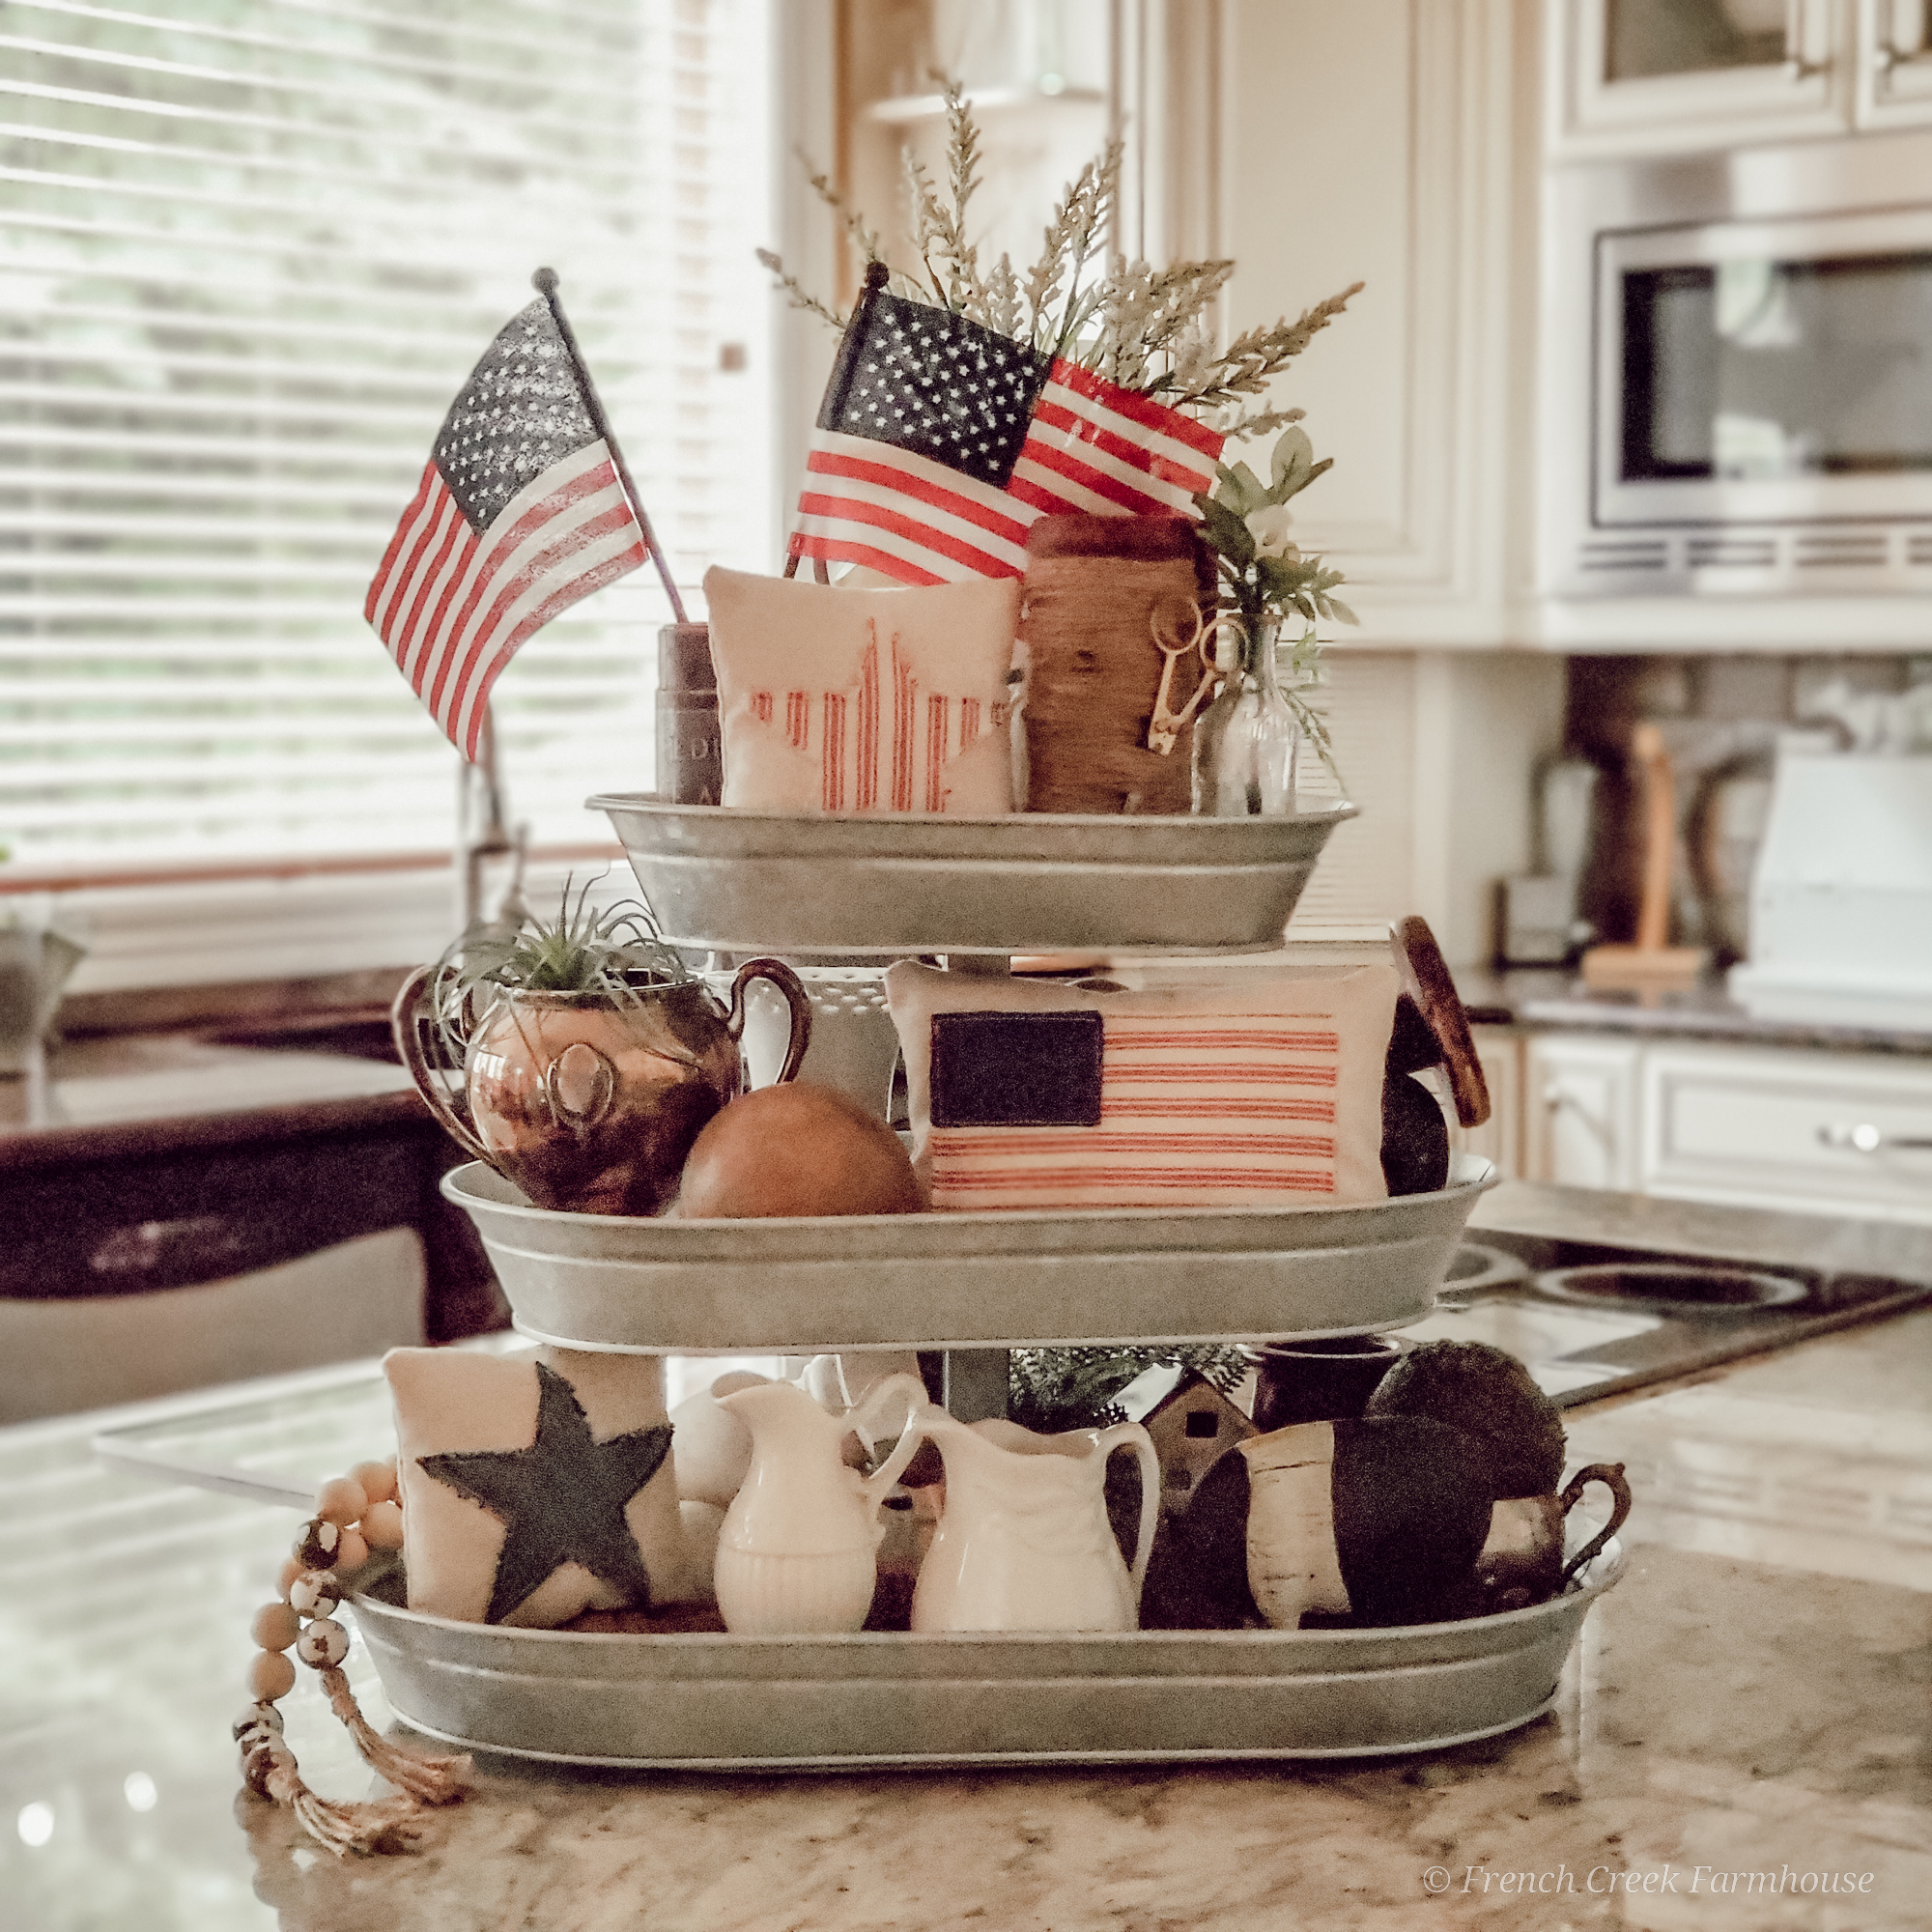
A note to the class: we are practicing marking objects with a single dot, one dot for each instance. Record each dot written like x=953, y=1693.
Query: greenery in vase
x=1267, y=585
x=617, y=952
x=1147, y=330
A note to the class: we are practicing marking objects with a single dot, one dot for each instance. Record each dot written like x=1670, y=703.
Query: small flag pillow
x=537, y=1488
x=1262, y=1093
x=863, y=701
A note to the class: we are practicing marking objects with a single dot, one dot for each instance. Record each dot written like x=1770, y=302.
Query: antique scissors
x=1165, y=725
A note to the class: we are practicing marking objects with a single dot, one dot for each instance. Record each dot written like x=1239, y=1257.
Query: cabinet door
x=1814, y=1132
x=1580, y=1111
x=1652, y=76
x=1895, y=63
x=1500, y=1139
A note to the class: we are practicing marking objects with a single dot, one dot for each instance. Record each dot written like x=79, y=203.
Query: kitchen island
x=1748, y=1700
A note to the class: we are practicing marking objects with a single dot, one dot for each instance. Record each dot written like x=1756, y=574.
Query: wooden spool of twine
x=1094, y=587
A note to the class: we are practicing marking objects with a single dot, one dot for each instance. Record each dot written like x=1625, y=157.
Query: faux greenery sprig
x=617, y=952
x=1051, y=1389
x=1147, y=329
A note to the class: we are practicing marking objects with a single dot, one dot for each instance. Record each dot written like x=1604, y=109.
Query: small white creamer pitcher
x=798, y=1552
x=1024, y=1542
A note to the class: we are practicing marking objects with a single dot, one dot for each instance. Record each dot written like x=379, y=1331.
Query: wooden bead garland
x=310, y=1592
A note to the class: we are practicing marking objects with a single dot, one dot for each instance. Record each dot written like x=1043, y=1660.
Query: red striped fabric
x=1219, y=1109
x=1090, y=446
x=452, y=604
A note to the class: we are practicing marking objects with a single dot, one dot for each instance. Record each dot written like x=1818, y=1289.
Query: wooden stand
x=1652, y=964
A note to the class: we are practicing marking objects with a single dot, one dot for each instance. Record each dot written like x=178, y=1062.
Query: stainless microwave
x=1736, y=391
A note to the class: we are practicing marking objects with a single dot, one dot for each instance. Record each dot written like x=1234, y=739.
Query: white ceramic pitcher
x=1024, y=1542
x=798, y=1552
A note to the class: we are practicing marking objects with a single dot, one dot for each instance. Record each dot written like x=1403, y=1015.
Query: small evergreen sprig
x=1144, y=328
x=1051, y=1389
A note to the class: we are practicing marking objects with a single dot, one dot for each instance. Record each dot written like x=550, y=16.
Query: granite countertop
x=1749, y=1698
x=146, y=1093
x=1538, y=997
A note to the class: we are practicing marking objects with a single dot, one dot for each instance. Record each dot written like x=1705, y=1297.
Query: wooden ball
x=252, y=1716
x=796, y=1149
x=314, y=1593
x=341, y=1501
x=292, y=1568
x=376, y=1480
x=270, y=1675
x=318, y=1543
x=322, y=1644
x=383, y=1526
x=275, y=1627
x=261, y=1757
x=352, y=1552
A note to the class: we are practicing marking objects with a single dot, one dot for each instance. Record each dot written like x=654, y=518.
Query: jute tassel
x=427, y=1779
x=1095, y=587
x=384, y=1824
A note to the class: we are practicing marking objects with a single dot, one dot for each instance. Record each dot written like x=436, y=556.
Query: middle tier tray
x=966, y=1281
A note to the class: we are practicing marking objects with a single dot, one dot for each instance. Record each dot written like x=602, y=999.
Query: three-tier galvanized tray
x=966, y=1281
x=728, y=1703
x=741, y=881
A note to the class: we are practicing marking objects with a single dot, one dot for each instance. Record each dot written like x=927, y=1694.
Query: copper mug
x=1522, y=1558
x=589, y=1103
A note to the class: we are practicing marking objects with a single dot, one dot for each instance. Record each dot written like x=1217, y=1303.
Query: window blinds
x=248, y=251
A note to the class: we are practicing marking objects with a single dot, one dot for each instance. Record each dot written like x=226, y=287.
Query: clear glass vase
x=1247, y=744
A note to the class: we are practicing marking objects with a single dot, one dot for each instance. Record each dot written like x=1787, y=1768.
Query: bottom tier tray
x=730, y=1703
x=973, y=1281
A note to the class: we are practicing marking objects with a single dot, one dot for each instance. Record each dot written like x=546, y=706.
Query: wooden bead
x=314, y=1593
x=275, y=1627
x=252, y=1715
x=352, y=1553
x=383, y=1526
x=290, y=1569
x=376, y=1480
x=318, y=1543
x=270, y=1675
x=340, y=1500
x=322, y=1644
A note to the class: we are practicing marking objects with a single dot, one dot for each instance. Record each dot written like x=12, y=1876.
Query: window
x=251, y=249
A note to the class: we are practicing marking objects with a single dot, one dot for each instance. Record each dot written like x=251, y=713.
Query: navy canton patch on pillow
x=993, y=1069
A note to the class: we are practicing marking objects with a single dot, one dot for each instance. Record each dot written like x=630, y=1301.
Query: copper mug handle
x=406, y=1025
x=1611, y=1476
x=796, y=998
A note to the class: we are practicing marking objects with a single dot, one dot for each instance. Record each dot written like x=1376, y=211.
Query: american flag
x=940, y=441
x=1198, y=1108
x=520, y=513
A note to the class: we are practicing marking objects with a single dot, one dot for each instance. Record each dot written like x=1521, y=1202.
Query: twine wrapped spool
x=1093, y=587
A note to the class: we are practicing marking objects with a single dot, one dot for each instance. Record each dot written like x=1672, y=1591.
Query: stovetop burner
x=1590, y=1320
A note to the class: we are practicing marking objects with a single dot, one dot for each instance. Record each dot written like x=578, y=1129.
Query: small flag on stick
x=526, y=506
x=940, y=441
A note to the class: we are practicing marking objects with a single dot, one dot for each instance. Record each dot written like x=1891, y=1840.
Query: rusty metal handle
x=795, y=997
x=1611, y=1476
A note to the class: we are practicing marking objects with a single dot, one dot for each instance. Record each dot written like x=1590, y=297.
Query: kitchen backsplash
x=1721, y=718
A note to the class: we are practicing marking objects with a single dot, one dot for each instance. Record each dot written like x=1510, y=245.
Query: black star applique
x=561, y=1500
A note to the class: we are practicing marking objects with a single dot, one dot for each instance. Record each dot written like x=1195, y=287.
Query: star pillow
x=837, y=700
x=1261, y=1093
x=534, y=1488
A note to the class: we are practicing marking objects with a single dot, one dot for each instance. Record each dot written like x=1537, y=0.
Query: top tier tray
x=733, y=880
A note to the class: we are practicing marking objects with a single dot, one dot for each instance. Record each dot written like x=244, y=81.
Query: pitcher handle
x=1121, y=1435
x=795, y=997
x=406, y=1025
x=1611, y=1476
x=893, y=1467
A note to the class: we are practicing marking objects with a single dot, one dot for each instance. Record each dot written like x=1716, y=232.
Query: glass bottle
x=1247, y=742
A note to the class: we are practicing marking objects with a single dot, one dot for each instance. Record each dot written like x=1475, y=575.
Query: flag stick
x=544, y=281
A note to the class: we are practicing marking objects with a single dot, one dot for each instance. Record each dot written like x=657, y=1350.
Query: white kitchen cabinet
x=1500, y=1139
x=1392, y=142
x=1813, y=1132
x=1580, y=1110
x=1661, y=76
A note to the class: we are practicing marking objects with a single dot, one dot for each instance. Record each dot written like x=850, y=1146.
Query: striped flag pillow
x=863, y=701
x=1258, y=1092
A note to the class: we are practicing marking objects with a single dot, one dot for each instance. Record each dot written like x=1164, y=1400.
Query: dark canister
x=690, y=768
x=1324, y=1380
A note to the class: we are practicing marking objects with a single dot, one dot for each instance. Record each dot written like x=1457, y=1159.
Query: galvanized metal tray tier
x=965, y=1279
x=728, y=1703
x=729, y=879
